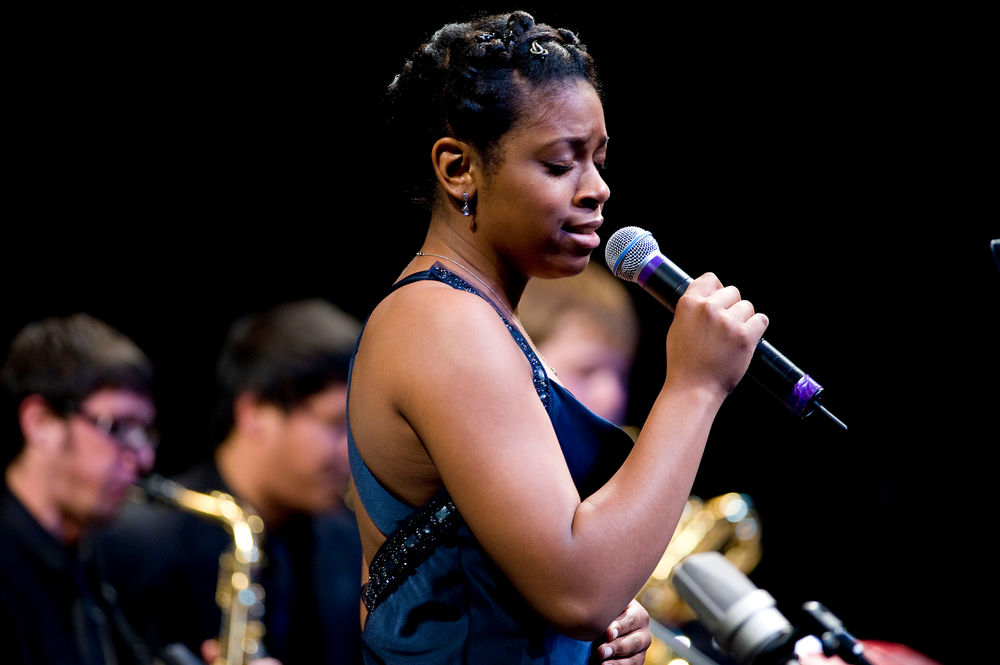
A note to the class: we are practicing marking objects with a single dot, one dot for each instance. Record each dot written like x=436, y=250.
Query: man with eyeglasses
x=78, y=400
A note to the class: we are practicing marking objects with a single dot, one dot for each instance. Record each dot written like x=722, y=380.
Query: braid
x=466, y=81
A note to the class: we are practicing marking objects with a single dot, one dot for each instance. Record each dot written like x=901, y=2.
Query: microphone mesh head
x=627, y=250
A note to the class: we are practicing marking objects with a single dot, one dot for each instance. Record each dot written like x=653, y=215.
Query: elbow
x=581, y=618
x=578, y=603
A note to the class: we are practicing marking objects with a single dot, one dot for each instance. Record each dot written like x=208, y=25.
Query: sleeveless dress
x=434, y=596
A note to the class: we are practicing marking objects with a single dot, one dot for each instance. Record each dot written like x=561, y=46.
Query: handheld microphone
x=634, y=256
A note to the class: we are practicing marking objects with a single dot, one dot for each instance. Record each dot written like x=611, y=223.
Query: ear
x=252, y=417
x=41, y=427
x=246, y=411
x=455, y=165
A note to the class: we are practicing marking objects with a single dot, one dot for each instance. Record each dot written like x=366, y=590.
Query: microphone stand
x=830, y=631
x=818, y=622
x=677, y=645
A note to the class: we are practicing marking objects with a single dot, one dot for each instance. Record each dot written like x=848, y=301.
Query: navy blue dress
x=434, y=596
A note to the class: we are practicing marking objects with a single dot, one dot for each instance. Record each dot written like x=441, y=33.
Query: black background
x=169, y=169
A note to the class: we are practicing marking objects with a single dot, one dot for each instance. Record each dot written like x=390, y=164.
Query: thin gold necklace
x=514, y=319
x=477, y=277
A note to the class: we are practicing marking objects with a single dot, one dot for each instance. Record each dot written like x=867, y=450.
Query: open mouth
x=585, y=234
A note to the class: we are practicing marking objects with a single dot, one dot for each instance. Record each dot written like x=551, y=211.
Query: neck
x=504, y=284
x=503, y=281
x=33, y=487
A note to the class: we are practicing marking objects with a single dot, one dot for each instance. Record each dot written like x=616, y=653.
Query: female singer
x=502, y=522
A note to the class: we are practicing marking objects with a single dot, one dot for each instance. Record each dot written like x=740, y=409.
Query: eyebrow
x=577, y=142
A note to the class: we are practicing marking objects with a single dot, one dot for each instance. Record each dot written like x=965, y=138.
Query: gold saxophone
x=728, y=524
x=239, y=597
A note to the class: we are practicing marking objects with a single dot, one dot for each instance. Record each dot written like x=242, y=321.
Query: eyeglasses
x=128, y=433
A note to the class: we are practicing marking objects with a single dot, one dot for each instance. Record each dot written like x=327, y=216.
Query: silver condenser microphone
x=742, y=618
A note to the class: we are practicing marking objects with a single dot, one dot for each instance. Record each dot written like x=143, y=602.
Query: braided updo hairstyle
x=467, y=82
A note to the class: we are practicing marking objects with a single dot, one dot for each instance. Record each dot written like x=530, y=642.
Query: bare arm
x=577, y=561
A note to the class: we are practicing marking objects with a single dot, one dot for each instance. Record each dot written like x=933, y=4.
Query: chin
x=104, y=515
x=569, y=266
x=320, y=502
x=560, y=264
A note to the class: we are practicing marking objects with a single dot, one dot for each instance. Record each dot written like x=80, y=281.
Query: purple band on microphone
x=648, y=269
x=802, y=394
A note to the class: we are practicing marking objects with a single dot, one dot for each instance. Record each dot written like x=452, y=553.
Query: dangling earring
x=465, y=204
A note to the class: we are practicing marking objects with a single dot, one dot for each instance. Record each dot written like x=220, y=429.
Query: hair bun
x=518, y=23
x=568, y=36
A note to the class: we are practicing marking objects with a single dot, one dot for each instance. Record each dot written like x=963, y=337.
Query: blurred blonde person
x=587, y=328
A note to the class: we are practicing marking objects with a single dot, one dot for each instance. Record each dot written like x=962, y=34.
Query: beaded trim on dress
x=408, y=546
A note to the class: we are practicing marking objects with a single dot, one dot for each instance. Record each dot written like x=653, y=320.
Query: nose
x=139, y=460
x=146, y=457
x=593, y=191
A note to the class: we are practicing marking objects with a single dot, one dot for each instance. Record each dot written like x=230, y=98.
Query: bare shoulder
x=436, y=330
x=434, y=365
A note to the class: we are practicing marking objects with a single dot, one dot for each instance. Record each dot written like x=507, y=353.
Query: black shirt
x=55, y=607
x=167, y=570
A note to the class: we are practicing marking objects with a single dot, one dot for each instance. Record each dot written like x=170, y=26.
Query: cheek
x=546, y=197
x=309, y=470
x=89, y=459
x=310, y=447
x=522, y=200
x=88, y=474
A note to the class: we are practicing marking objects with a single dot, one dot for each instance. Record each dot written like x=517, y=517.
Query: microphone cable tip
x=832, y=417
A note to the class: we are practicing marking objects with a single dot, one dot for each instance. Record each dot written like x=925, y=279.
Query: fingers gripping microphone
x=633, y=255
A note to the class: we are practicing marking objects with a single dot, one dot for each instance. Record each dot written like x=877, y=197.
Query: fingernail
x=605, y=652
x=614, y=632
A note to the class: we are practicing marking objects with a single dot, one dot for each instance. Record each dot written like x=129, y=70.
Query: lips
x=584, y=227
x=585, y=233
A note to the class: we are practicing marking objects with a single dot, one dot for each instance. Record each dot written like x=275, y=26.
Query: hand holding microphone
x=712, y=341
x=634, y=256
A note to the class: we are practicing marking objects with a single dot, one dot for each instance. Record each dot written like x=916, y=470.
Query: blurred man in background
x=281, y=431
x=78, y=400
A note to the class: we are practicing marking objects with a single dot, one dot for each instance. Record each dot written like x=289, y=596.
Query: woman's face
x=541, y=204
